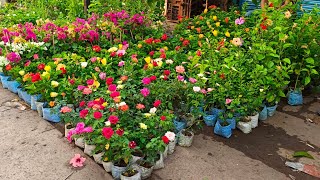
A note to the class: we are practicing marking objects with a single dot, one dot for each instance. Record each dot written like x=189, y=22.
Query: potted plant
x=131, y=174
x=223, y=127
x=185, y=138
x=245, y=125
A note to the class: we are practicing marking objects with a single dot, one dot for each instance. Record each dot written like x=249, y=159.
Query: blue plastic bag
x=179, y=125
x=34, y=98
x=224, y=131
x=4, y=81
x=232, y=122
x=217, y=111
x=49, y=115
x=295, y=98
x=13, y=86
x=272, y=110
x=210, y=118
x=263, y=115
x=26, y=97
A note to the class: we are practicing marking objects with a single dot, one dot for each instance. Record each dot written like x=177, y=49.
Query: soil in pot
x=130, y=173
x=121, y=164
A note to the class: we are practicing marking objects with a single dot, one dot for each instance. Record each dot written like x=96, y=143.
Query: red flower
x=178, y=48
x=163, y=55
x=157, y=41
x=164, y=37
x=151, y=53
x=96, y=48
x=222, y=76
x=157, y=103
x=212, y=7
x=8, y=67
x=155, y=64
x=271, y=5
x=263, y=27
x=35, y=56
x=166, y=72
x=165, y=78
x=112, y=109
x=27, y=63
x=165, y=139
x=113, y=54
x=82, y=103
x=90, y=82
x=113, y=119
x=198, y=53
x=115, y=94
x=35, y=77
x=226, y=20
x=124, y=108
x=83, y=113
x=153, y=78
x=185, y=42
x=71, y=81
x=41, y=66
x=112, y=87
x=109, y=81
x=63, y=70
x=163, y=118
x=120, y=132
x=107, y=132
x=132, y=144
x=97, y=115
x=149, y=41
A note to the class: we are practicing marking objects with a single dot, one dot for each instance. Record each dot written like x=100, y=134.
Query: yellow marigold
x=47, y=68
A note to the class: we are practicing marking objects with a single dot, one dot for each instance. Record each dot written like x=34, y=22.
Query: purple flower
x=239, y=21
x=13, y=57
x=145, y=92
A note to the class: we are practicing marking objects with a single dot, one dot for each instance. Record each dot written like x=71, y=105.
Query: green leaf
x=310, y=60
x=313, y=71
x=307, y=80
x=287, y=45
x=302, y=154
x=287, y=60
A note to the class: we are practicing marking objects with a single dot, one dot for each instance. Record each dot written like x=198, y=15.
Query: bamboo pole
x=206, y=4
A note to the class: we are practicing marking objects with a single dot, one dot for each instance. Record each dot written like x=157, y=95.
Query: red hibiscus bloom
x=132, y=144
x=97, y=115
x=120, y=132
x=157, y=103
x=165, y=139
x=163, y=118
x=41, y=66
x=113, y=119
x=109, y=81
x=96, y=48
x=83, y=113
x=107, y=132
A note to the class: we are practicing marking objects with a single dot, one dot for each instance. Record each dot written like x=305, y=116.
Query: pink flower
x=209, y=89
x=88, y=130
x=27, y=63
x=203, y=91
x=90, y=82
x=107, y=132
x=115, y=94
x=180, y=78
x=112, y=87
x=140, y=106
x=192, y=80
x=70, y=134
x=35, y=56
x=239, y=21
x=83, y=113
x=94, y=59
x=87, y=91
x=145, y=92
x=146, y=81
x=77, y=161
x=65, y=109
x=102, y=76
x=97, y=115
x=121, y=63
x=180, y=69
x=228, y=101
x=122, y=52
x=113, y=119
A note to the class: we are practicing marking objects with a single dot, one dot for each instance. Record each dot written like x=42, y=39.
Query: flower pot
x=210, y=118
x=159, y=163
x=190, y=120
x=217, y=111
x=116, y=171
x=254, y=120
x=245, y=127
x=272, y=110
x=172, y=146
x=13, y=86
x=107, y=166
x=79, y=142
x=185, y=140
x=135, y=177
x=26, y=97
x=19, y=92
x=67, y=128
x=232, y=122
x=224, y=131
x=39, y=106
x=98, y=157
x=34, y=98
x=165, y=152
x=295, y=98
x=88, y=149
x=145, y=172
x=50, y=116
x=179, y=125
x=4, y=81
x=263, y=115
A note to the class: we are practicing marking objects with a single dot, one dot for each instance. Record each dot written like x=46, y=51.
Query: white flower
x=122, y=104
x=162, y=76
x=261, y=90
x=169, y=61
x=153, y=110
x=107, y=123
x=84, y=64
x=196, y=89
x=170, y=135
x=200, y=75
x=209, y=89
x=120, y=86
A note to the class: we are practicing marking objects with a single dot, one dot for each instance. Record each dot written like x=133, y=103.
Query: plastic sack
x=179, y=125
x=13, y=86
x=26, y=97
x=272, y=110
x=245, y=127
x=50, y=116
x=232, y=122
x=210, y=118
x=295, y=98
x=4, y=81
x=263, y=115
x=224, y=131
x=34, y=99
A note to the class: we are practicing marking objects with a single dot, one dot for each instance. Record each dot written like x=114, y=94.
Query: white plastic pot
x=245, y=127
x=88, y=149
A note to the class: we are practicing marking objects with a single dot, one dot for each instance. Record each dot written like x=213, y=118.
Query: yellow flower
x=205, y=11
x=120, y=86
x=217, y=24
x=54, y=84
x=192, y=27
x=166, y=48
x=96, y=84
x=47, y=68
x=215, y=33
x=160, y=63
x=148, y=59
x=105, y=104
x=201, y=36
x=147, y=114
x=139, y=46
x=143, y=126
x=107, y=146
x=104, y=61
x=215, y=18
x=21, y=72
x=287, y=14
x=113, y=49
x=59, y=66
x=106, y=159
x=227, y=34
x=120, y=46
x=119, y=82
x=53, y=94
x=150, y=66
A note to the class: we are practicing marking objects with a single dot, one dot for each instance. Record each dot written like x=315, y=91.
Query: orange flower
x=117, y=99
x=63, y=94
x=124, y=108
x=124, y=78
x=247, y=29
x=51, y=103
x=198, y=30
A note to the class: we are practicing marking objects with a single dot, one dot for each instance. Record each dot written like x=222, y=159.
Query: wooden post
x=86, y=5
x=206, y=4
